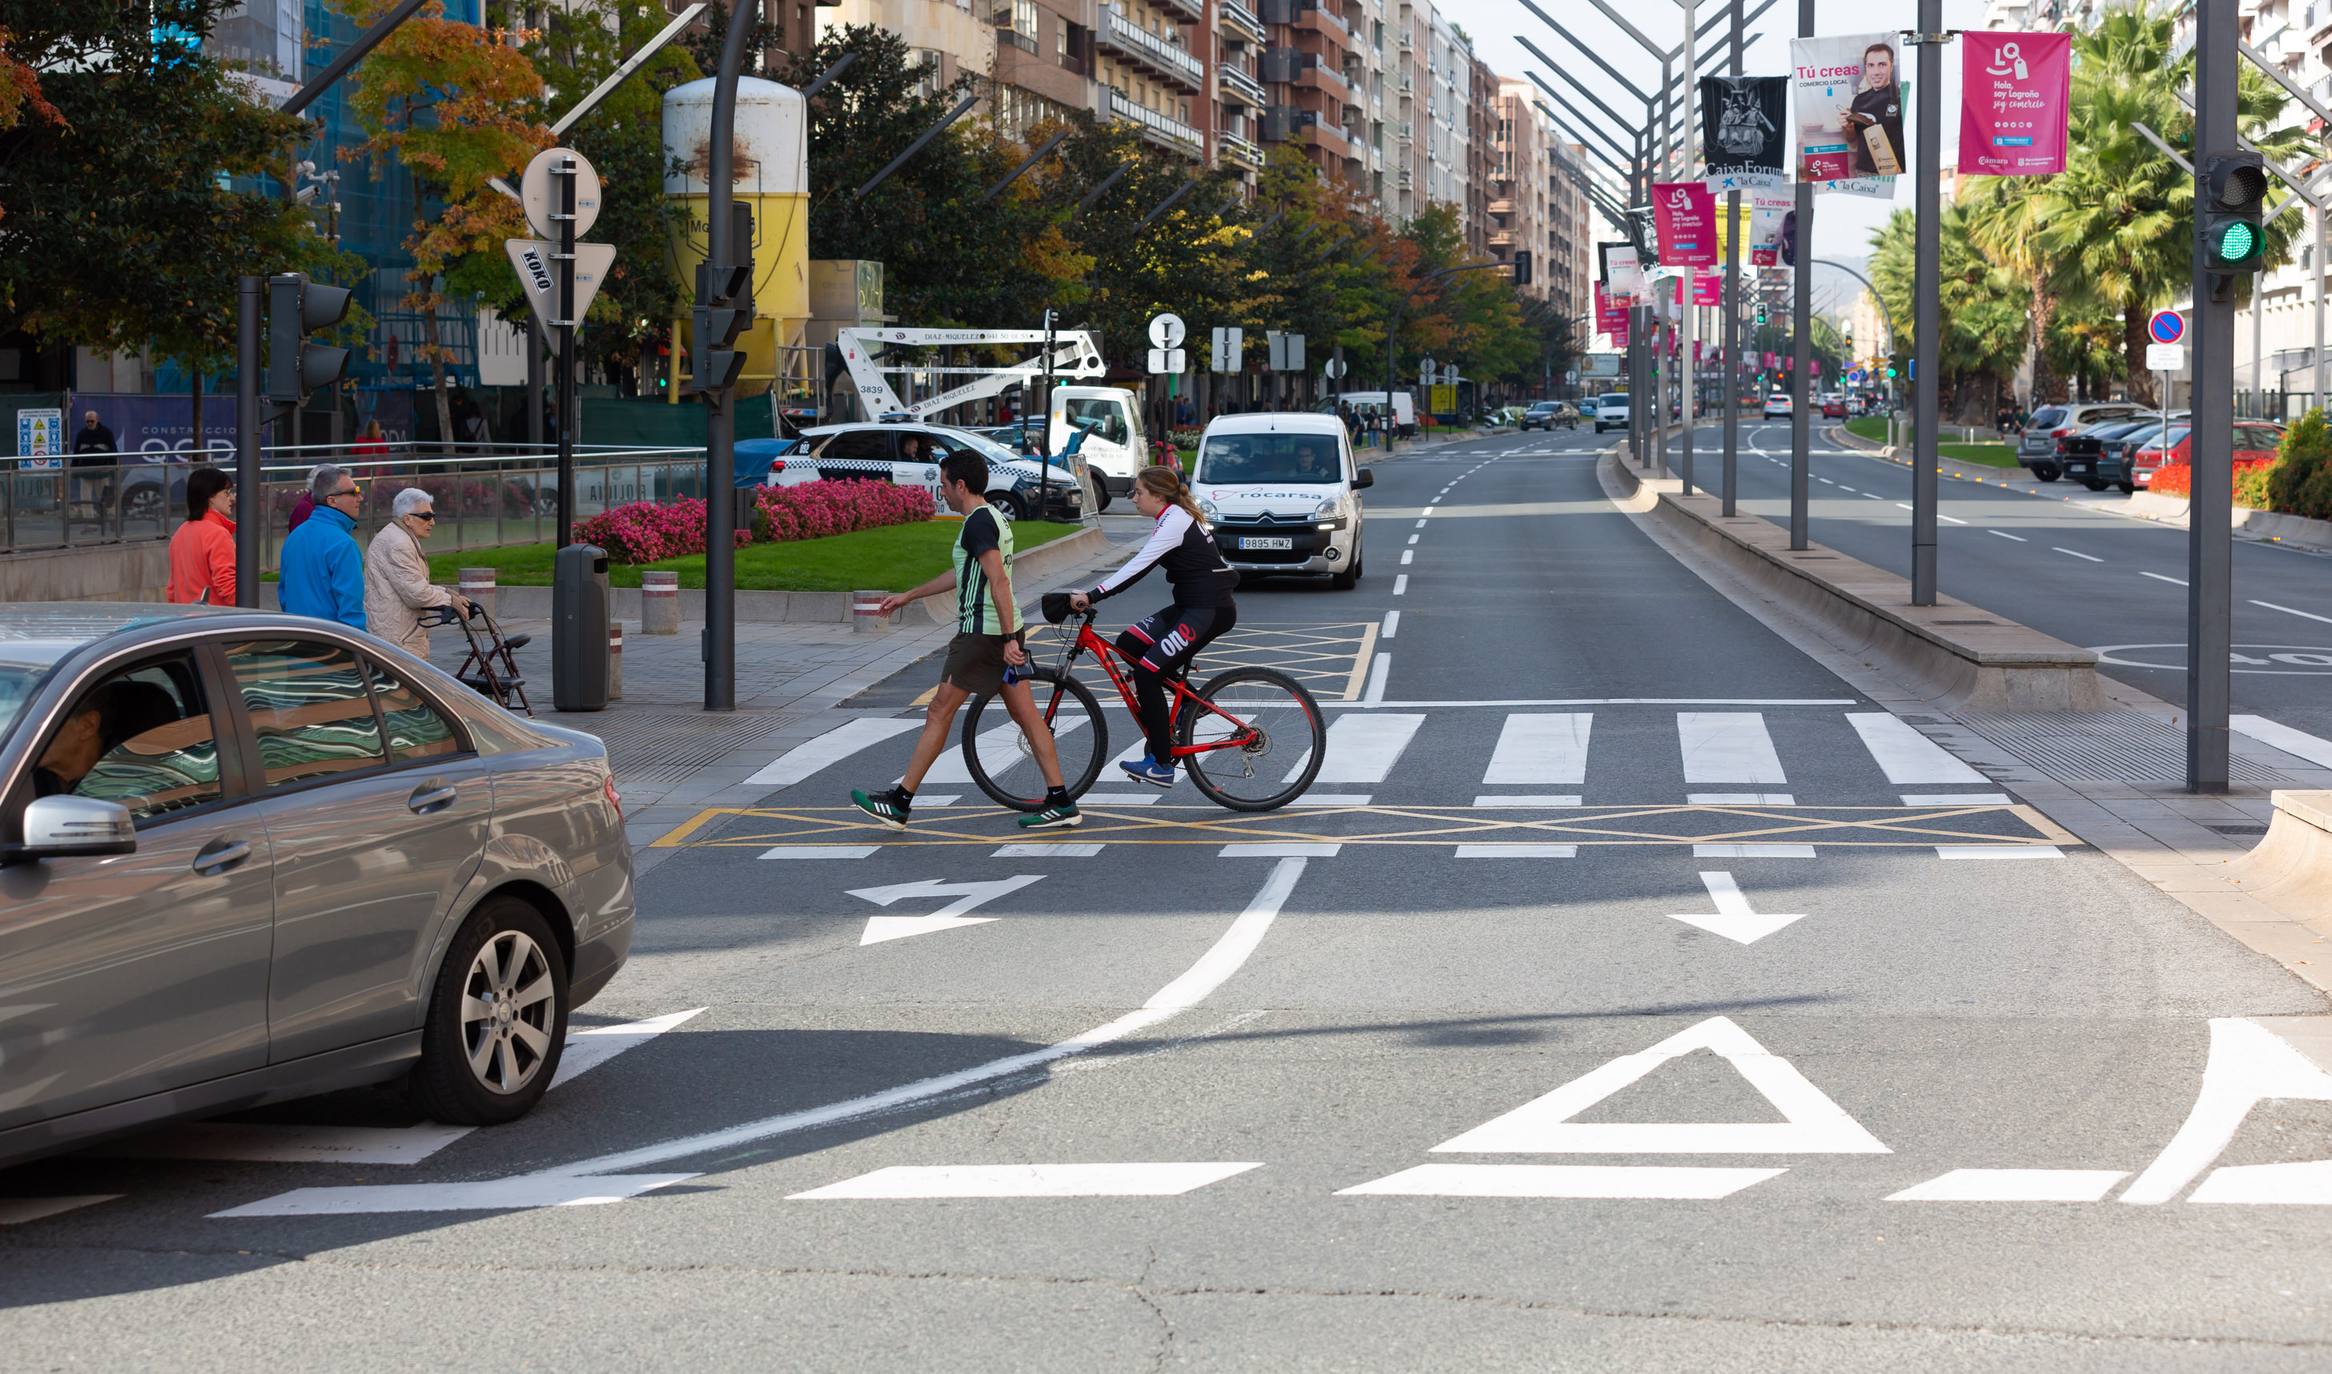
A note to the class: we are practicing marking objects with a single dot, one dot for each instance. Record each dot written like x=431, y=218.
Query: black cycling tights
x=1163, y=645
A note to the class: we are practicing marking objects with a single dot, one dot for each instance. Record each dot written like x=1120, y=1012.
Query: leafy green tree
x=1984, y=306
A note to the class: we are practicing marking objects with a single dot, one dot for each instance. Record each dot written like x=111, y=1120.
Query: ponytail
x=1167, y=484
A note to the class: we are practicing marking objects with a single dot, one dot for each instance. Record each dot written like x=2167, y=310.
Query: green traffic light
x=2238, y=242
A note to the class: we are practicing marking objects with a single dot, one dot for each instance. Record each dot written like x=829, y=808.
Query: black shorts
x=975, y=662
x=1166, y=642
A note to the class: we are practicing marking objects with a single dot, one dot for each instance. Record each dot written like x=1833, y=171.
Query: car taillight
x=2060, y=433
x=607, y=788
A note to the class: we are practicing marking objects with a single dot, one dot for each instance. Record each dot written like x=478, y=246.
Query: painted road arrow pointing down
x=967, y=896
x=1733, y=918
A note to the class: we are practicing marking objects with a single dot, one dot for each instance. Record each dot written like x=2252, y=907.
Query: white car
x=1282, y=493
x=1777, y=403
x=909, y=454
x=1611, y=411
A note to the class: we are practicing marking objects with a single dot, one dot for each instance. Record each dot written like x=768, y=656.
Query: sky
x=1843, y=225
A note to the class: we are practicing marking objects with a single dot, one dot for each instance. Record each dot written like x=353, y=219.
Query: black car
x=2081, y=455
x=1548, y=414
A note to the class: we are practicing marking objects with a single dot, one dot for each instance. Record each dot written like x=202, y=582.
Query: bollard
x=478, y=585
x=615, y=660
x=866, y=613
x=659, y=603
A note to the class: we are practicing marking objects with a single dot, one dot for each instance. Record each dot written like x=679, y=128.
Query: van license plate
x=1253, y=543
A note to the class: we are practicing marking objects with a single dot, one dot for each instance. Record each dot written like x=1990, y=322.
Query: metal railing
x=1132, y=39
x=485, y=497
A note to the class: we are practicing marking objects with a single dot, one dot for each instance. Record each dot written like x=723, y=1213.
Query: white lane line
x=1908, y=757
x=1740, y=799
x=1826, y=481
x=1957, y=799
x=1903, y=505
x=1663, y=1181
x=589, y=1048
x=1998, y=851
x=1038, y=849
x=1296, y=850
x=820, y=851
x=1414, y=538
x=1408, y=556
x=590, y=1180
x=1365, y=748
x=2306, y=1183
x=832, y=747
x=1753, y=851
x=1523, y=801
x=1421, y=522
x=1534, y=750
x=2006, y=535
x=1727, y=746
x=2014, y=1185
x=1609, y=701
x=1401, y=584
x=2158, y=577
x=2304, y=615
x=1027, y=1180
x=1949, y=519
x=2298, y=743
x=1391, y=626
x=16, y=1211
x=1378, y=672
x=1843, y=487
x=2071, y=553
x=1333, y=799
x=1518, y=851
x=1870, y=496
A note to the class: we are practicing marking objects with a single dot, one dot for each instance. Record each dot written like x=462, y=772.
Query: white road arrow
x=967, y=895
x=1733, y=918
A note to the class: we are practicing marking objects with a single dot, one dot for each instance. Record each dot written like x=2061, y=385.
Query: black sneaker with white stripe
x=888, y=806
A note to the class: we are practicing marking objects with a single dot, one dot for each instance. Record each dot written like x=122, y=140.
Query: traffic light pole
x=1801, y=423
x=2209, y=533
x=565, y=171
x=250, y=494
x=1927, y=324
x=720, y=420
x=1732, y=393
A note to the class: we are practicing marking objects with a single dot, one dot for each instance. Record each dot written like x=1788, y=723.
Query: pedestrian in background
x=306, y=505
x=396, y=575
x=94, y=447
x=323, y=570
x=202, y=552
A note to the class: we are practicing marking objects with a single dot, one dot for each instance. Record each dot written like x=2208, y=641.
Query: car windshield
x=1542, y=407
x=1615, y=398
x=1276, y=458
x=2154, y=438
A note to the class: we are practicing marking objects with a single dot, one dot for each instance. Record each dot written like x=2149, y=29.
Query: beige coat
x=396, y=589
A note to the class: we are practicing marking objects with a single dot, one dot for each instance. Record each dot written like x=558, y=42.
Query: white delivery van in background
x=1404, y=408
x=1116, y=448
x=1282, y=492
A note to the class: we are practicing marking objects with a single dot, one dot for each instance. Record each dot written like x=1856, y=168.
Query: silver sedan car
x=249, y=857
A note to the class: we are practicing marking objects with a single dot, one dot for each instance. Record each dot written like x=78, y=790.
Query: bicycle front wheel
x=997, y=752
x=1268, y=735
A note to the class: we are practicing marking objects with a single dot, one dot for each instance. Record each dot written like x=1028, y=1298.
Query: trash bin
x=579, y=619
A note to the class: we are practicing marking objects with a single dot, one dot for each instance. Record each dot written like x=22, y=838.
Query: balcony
x=1187, y=11
x=1168, y=133
x=1239, y=149
x=1239, y=86
x=1239, y=19
x=1332, y=82
x=1122, y=36
x=1326, y=22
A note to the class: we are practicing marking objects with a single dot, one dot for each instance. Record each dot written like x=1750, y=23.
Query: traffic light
x=1522, y=267
x=2228, y=218
x=1890, y=372
x=296, y=308
x=714, y=360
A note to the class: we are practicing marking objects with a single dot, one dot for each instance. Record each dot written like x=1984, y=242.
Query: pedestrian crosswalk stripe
x=1518, y=851
x=1027, y=1180
x=832, y=747
x=1293, y=849
x=1998, y=851
x=1727, y=746
x=1038, y=849
x=821, y=851
x=1539, y=749
x=997, y=742
x=1753, y=851
x=1673, y=1182
x=1364, y=748
x=1957, y=799
x=1529, y=802
x=1907, y=756
x=1333, y=799
x=1741, y=799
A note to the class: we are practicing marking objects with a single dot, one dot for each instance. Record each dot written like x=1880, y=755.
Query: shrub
x=2302, y=481
x=814, y=510
x=2250, y=487
x=646, y=531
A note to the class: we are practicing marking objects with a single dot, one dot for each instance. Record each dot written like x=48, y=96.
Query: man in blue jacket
x=323, y=569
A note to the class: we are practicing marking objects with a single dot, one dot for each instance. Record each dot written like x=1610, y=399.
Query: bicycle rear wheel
x=1281, y=754
x=997, y=754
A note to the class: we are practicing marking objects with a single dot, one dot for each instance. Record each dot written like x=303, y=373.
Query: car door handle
x=220, y=855
x=426, y=799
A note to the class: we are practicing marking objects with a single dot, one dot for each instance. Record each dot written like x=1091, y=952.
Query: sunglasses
x=428, y=515
x=352, y=491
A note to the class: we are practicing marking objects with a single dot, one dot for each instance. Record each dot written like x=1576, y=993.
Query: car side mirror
x=1364, y=479
x=74, y=827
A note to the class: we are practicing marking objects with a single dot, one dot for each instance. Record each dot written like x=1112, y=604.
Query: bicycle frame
x=1107, y=655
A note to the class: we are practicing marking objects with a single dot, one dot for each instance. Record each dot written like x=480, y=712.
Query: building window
x=1024, y=19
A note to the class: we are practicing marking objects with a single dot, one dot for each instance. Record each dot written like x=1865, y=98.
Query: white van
x=1282, y=492
x=1116, y=448
x=1404, y=408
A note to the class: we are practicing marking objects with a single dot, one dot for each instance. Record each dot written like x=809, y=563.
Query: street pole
x=2210, y=536
x=1732, y=395
x=1801, y=424
x=720, y=421
x=566, y=172
x=1688, y=371
x=1927, y=326
x=2317, y=271
x=534, y=386
x=250, y=494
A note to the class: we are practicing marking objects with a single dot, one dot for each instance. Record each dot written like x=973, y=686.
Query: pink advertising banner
x=1686, y=216
x=1708, y=288
x=2015, y=89
x=1611, y=316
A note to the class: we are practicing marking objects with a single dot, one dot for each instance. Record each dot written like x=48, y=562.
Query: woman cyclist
x=1164, y=644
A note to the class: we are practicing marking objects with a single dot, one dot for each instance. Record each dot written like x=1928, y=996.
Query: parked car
x=247, y=857
x=1587, y=406
x=2082, y=456
x=909, y=453
x=1282, y=490
x=1611, y=411
x=1777, y=404
x=2037, y=450
x=2252, y=440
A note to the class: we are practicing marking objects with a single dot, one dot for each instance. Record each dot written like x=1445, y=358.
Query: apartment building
x=1481, y=123
x=1314, y=67
x=1044, y=66
x=1151, y=72
x=1522, y=183
x=1240, y=99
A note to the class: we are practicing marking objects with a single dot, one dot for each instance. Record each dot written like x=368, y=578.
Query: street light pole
x=720, y=419
x=1688, y=370
x=1732, y=392
x=1801, y=424
x=1926, y=350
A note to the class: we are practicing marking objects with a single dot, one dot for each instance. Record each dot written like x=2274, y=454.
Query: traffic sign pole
x=1801, y=423
x=566, y=171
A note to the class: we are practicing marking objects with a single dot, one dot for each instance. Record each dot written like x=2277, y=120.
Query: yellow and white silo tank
x=772, y=171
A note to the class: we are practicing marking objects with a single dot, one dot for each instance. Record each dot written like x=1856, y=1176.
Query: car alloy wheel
x=497, y=1019
x=508, y=1006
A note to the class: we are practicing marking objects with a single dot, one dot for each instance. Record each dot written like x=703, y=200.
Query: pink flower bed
x=650, y=531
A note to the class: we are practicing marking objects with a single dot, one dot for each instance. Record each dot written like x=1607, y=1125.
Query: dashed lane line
x=2075, y=553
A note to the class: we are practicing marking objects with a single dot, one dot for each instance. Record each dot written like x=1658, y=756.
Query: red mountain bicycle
x=1251, y=739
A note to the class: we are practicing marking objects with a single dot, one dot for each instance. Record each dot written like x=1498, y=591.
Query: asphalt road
x=1645, y=1001
x=2070, y=567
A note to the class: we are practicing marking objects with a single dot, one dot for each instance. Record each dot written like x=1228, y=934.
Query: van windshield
x=1106, y=416
x=1286, y=459
x=1611, y=398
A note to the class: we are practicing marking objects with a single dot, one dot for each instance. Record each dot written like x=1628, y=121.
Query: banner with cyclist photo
x=1848, y=107
x=1741, y=132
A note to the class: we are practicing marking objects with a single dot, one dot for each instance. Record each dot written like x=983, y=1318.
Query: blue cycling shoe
x=1144, y=769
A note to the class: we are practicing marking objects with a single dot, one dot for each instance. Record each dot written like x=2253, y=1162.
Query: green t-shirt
x=975, y=608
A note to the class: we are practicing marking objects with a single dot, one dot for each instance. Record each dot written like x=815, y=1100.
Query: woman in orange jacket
x=202, y=553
